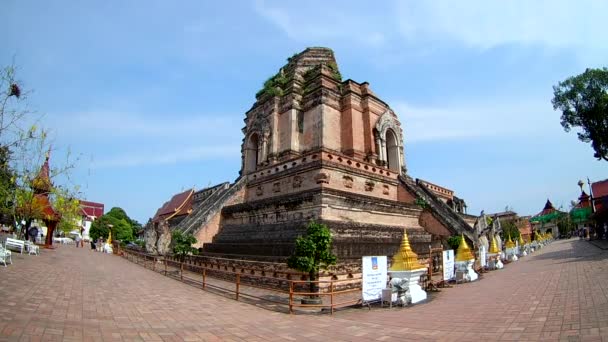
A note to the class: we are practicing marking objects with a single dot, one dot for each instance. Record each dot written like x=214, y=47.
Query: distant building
x=89, y=212
x=546, y=220
x=599, y=195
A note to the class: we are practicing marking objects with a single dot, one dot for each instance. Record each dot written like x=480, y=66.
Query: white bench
x=32, y=248
x=5, y=255
x=14, y=243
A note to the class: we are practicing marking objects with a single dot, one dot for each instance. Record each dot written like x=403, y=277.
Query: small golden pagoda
x=464, y=252
x=509, y=243
x=494, y=246
x=110, y=238
x=521, y=240
x=406, y=259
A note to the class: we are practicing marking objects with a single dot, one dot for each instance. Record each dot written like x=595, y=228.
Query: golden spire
x=494, y=246
x=406, y=259
x=509, y=243
x=464, y=252
x=521, y=240
x=110, y=238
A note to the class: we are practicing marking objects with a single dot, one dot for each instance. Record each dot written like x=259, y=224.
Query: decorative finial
x=464, y=252
x=406, y=259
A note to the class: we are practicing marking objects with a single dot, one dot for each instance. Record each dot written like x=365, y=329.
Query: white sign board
x=448, y=265
x=374, y=277
x=483, y=257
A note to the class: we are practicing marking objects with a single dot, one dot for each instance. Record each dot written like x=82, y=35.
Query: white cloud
x=323, y=22
x=174, y=156
x=466, y=121
x=486, y=24
x=118, y=124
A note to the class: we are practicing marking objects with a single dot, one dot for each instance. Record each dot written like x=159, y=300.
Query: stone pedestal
x=494, y=262
x=408, y=281
x=466, y=267
x=512, y=254
x=523, y=250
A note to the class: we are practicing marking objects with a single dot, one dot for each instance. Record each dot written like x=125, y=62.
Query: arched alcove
x=251, y=153
x=392, y=151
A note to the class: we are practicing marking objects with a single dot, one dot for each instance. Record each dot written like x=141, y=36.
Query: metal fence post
x=238, y=284
x=290, y=297
x=331, y=296
x=204, y=277
x=181, y=270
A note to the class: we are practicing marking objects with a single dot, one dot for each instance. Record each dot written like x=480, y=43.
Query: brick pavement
x=70, y=294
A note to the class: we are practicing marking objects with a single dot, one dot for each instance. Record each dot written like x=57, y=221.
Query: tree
x=509, y=228
x=182, y=244
x=583, y=101
x=117, y=221
x=312, y=252
x=23, y=147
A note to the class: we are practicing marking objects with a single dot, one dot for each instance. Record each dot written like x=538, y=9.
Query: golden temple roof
x=494, y=246
x=406, y=259
x=464, y=252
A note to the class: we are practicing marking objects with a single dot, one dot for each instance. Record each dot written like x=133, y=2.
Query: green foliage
x=182, y=244
x=7, y=185
x=583, y=101
x=454, y=241
x=289, y=59
x=509, y=228
x=122, y=226
x=565, y=225
x=313, y=250
x=421, y=203
x=274, y=85
x=335, y=72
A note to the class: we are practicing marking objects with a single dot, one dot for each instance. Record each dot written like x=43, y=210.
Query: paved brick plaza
x=75, y=294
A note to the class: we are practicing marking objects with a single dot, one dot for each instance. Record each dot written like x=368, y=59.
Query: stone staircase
x=206, y=208
x=440, y=210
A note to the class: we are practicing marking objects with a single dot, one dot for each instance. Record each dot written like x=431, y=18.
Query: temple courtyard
x=559, y=293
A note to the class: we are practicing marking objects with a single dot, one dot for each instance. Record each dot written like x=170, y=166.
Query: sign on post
x=483, y=259
x=448, y=265
x=374, y=277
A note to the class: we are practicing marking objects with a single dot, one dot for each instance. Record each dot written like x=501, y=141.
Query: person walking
x=78, y=239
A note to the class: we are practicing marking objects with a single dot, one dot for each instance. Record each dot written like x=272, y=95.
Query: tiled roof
x=548, y=209
x=599, y=190
x=179, y=204
x=91, y=209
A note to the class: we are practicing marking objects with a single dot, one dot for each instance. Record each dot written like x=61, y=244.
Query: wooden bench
x=14, y=243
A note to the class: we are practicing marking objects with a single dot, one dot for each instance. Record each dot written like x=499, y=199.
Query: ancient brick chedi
x=319, y=148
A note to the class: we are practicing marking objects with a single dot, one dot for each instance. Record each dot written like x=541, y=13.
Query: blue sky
x=152, y=94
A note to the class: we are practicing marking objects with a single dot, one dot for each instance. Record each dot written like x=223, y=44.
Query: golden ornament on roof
x=406, y=259
x=464, y=252
x=494, y=246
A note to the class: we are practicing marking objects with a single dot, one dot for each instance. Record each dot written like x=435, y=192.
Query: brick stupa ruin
x=318, y=148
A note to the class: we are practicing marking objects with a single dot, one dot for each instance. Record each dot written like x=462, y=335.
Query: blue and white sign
x=374, y=277
x=448, y=265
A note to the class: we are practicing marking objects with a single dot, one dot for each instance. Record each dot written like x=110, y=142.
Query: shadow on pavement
x=576, y=251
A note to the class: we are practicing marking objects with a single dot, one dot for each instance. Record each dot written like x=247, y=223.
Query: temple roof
x=179, y=204
x=91, y=209
x=548, y=213
x=599, y=190
x=42, y=182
